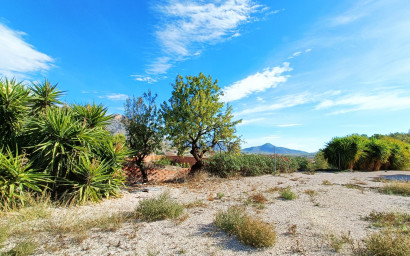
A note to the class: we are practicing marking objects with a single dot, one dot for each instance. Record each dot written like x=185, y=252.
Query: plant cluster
x=46, y=146
x=228, y=165
x=249, y=231
x=360, y=152
x=163, y=207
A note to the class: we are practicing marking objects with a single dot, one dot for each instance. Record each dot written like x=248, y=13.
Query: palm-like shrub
x=17, y=179
x=91, y=116
x=92, y=180
x=346, y=151
x=44, y=95
x=57, y=140
x=14, y=100
x=376, y=153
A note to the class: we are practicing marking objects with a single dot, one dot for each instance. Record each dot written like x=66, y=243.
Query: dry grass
x=22, y=249
x=388, y=242
x=354, y=186
x=249, y=231
x=258, y=198
x=273, y=189
x=389, y=219
x=327, y=183
x=163, y=207
x=396, y=188
x=195, y=204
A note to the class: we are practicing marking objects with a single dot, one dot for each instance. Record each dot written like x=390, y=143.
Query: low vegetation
x=396, y=188
x=359, y=152
x=287, y=194
x=160, y=208
x=229, y=165
x=248, y=230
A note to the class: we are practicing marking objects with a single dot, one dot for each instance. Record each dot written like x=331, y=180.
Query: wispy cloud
x=19, y=57
x=289, y=101
x=287, y=125
x=142, y=78
x=251, y=121
x=380, y=100
x=187, y=27
x=115, y=96
x=258, y=82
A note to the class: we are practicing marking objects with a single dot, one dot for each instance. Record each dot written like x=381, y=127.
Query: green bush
x=388, y=242
x=228, y=165
x=249, y=231
x=287, y=194
x=17, y=180
x=231, y=219
x=43, y=144
x=373, y=154
x=160, y=208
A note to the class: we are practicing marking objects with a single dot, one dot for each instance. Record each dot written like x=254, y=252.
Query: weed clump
x=160, y=208
x=23, y=249
x=249, y=231
x=287, y=194
x=388, y=242
x=396, y=188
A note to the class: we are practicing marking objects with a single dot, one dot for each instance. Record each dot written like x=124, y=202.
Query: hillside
x=270, y=149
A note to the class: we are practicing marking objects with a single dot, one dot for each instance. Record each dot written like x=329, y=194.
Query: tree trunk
x=141, y=166
x=197, y=166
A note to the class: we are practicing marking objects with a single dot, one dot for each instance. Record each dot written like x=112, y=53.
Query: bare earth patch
x=303, y=226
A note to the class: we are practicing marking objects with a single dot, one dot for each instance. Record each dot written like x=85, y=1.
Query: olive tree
x=195, y=118
x=144, y=128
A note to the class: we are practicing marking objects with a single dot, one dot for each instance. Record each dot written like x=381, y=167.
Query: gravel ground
x=335, y=209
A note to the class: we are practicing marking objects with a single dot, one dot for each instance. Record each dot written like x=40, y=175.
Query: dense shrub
x=363, y=153
x=65, y=149
x=227, y=165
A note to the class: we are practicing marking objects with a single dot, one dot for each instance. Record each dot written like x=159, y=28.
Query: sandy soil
x=335, y=209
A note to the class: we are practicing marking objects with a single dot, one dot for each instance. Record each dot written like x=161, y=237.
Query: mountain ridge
x=268, y=148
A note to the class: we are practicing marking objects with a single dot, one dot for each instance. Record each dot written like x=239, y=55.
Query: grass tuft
x=388, y=242
x=160, y=208
x=389, y=219
x=396, y=188
x=327, y=183
x=258, y=198
x=287, y=194
x=22, y=249
x=249, y=231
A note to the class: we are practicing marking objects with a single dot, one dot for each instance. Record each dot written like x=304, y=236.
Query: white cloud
x=287, y=125
x=194, y=22
x=308, y=50
x=115, y=96
x=288, y=101
x=382, y=101
x=295, y=54
x=19, y=57
x=271, y=137
x=159, y=66
x=187, y=26
x=142, y=78
x=259, y=82
x=251, y=121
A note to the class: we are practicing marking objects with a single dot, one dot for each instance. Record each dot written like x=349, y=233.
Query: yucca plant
x=376, y=153
x=346, y=151
x=57, y=139
x=92, y=180
x=17, y=179
x=14, y=100
x=45, y=95
x=92, y=116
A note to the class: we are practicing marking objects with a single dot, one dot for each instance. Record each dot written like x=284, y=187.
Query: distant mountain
x=270, y=149
x=116, y=126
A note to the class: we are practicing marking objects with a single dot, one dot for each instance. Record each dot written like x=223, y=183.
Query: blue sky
x=296, y=72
